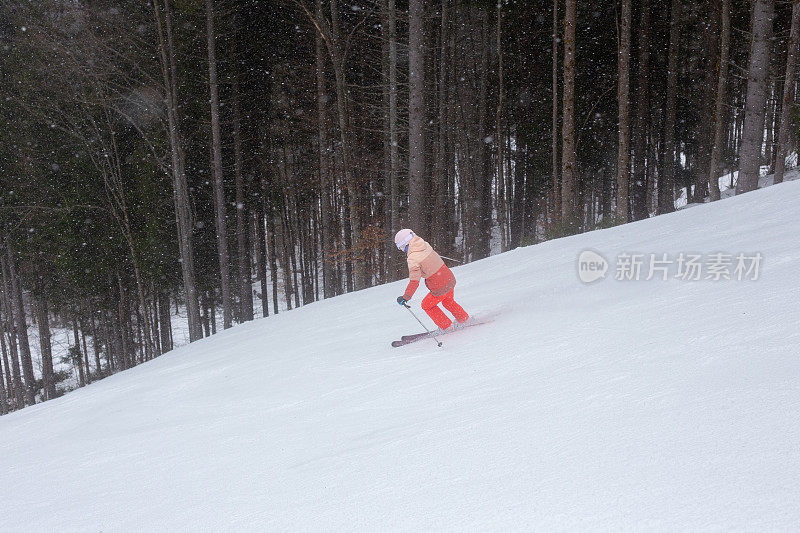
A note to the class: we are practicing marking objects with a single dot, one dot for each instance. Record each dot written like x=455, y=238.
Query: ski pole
x=451, y=259
x=438, y=342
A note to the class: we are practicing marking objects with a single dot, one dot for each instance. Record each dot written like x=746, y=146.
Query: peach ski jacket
x=424, y=262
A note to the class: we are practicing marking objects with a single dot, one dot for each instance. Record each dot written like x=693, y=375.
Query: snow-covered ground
x=613, y=405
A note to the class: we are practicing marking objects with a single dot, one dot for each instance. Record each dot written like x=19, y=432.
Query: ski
x=413, y=337
x=409, y=339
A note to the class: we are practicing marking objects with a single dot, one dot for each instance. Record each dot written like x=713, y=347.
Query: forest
x=187, y=164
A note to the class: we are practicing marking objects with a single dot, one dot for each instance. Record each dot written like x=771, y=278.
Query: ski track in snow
x=617, y=405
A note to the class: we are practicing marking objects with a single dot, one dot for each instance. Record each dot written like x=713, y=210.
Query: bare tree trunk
x=484, y=172
x=216, y=159
x=418, y=184
x=47, y=349
x=205, y=316
x=183, y=215
x=212, y=312
x=389, y=260
x=569, y=193
x=262, y=252
x=499, y=131
x=22, y=330
x=112, y=349
x=5, y=376
x=774, y=122
x=556, y=183
x=652, y=157
x=719, y=106
x=623, y=99
x=518, y=205
x=126, y=361
x=273, y=261
x=313, y=251
x=788, y=92
x=123, y=360
x=738, y=139
x=289, y=243
x=394, y=156
x=442, y=209
x=328, y=241
x=9, y=327
x=301, y=231
x=285, y=262
x=165, y=322
x=85, y=354
x=769, y=118
x=264, y=210
x=242, y=207
x=122, y=329
x=77, y=346
x=137, y=335
x=451, y=110
x=642, y=90
x=758, y=69
x=711, y=42
x=721, y=99
x=153, y=329
x=95, y=341
x=6, y=370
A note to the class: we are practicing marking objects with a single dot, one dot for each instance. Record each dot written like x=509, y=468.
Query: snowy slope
x=621, y=404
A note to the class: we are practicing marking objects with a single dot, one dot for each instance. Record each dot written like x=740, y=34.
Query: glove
x=401, y=300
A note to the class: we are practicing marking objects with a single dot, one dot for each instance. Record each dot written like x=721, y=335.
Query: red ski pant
x=431, y=306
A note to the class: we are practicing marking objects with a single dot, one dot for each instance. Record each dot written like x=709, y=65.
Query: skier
x=424, y=262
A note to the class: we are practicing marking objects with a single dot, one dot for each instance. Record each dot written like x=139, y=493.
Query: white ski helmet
x=402, y=238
